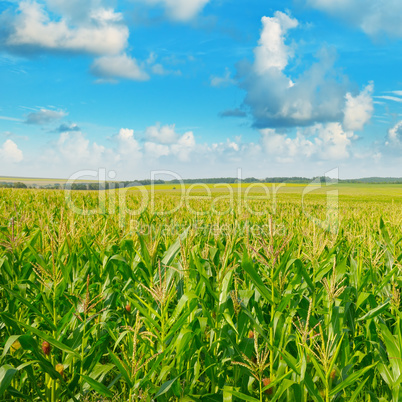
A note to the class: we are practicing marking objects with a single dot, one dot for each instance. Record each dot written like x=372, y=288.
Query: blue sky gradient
x=201, y=87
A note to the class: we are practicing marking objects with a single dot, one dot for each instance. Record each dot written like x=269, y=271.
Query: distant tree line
x=13, y=185
x=226, y=180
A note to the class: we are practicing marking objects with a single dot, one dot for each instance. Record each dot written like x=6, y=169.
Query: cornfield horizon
x=211, y=301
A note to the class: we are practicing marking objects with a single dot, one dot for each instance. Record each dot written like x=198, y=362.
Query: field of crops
x=217, y=300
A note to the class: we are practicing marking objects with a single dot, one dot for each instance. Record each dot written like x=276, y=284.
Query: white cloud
x=333, y=141
x=319, y=142
x=233, y=145
x=372, y=17
x=162, y=134
x=127, y=144
x=89, y=27
x=272, y=51
x=395, y=135
x=120, y=66
x=33, y=29
x=164, y=141
x=105, y=15
x=180, y=10
x=75, y=149
x=310, y=150
x=73, y=27
x=227, y=151
x=184, y=146
x=44, y=116
x=284, y=148
x=9, y=152
x=156, y=150
x=358, y=110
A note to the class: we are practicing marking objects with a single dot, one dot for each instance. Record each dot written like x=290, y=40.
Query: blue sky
x=201, y=87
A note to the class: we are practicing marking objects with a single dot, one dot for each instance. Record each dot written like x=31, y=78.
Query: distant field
x=363, y=192
x=30, y=181
x=285, y=191
x=384, y=192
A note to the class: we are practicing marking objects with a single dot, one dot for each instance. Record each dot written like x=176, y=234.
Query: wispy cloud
x=223, y=81
x=44, y=116
x=233, y=113
x=391, y=98
x=67, y=128
x=9, y=118
x=372, y=17
x=180, y=10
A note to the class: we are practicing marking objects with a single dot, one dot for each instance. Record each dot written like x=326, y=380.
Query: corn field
x=224, y=305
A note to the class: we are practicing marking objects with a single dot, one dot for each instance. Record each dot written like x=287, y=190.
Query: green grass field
x=229, y=297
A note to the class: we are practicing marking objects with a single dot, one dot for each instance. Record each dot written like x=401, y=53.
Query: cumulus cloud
x=72, y=27
x=272, y=52
x=395, y=135
x=44, y=116
x=164, y=140
x=156, y=150
x=180, y=10
x=284, y=148
x=89, y=27
x=309, y=149
x=9, y=152
x=333, y=141
x=75, y=148
x=372, y=17
x=184, y=146
x=321, y=141
x=128, y=144
x=119, y=66
x=276, y=101
x=162, y=134
x=233, y=145
x=33, y=30
x=318, y=95
x=358, y=110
